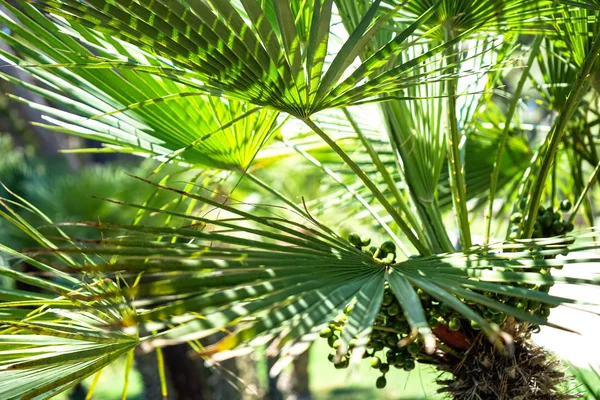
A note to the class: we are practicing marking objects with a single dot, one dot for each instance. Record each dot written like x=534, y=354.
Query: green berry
x=384, y=367
x=388, y=247
x=409, y=364
x=499, y=318
x=541, y=210
x=336, y=344
x=521, y=305
x=547, y=219
x=515, y=228
x=344, y=362
x=413, y=348
x=514, y=235
x=352, y=343
x=569, y=227
x=445, y=309
x=434, y=323
x=331, y=339
x=365, y=241
x=475, y=326
x=348, y=309
x=388, y=298
x=381, y=382
x=454, y=324
x=354, y=239
x=326, y=332
x=565, y=205
x=390, y=357
x=393, y=310
x=392, y=339
x=557, y=216
x=516, y=218
x=375, y=362
x=331, y=356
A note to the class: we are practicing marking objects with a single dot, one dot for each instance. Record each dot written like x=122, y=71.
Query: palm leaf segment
x=266, y=53
x=164, y=119
x=274, y=276
x=52, y=340
x=453, y=17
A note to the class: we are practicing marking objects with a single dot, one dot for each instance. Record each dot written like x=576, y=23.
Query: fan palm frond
x=264, y=277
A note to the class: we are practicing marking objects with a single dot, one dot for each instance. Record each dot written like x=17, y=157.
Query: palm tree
x=392, y=104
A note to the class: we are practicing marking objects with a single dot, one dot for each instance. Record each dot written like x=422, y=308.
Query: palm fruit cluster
x=548, y=222
x=391, y=343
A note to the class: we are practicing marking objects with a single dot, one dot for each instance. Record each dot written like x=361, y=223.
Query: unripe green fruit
x=409, y=364
x=388, y=298
x=499, y=318
x=375, y=362
x=344, y=362
x=454, y=324
x=514, y=235
x=326, y=332
x=342, y=318
x=516, y=218
x=521, y=305
x=565, y=205
x=515, y=228
x=487, y=314
x=541, y=210
x=445, y=309
x=336, y=344
x=354, y=239
x=331, y=339
x=331, y=356
x=393, y=310
x=388, y=247
x=569, y=227
x=434, y=323
x=372, y=250
x=389, y=259
x=392, y=340
x=352, y=343
x=475, y=326
x=384, y=367
x=381, y=382
x=547, y=219
x=348, y=309
x=413, y=348
x=390, y=357
x=534, y=305
x=365, y=241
